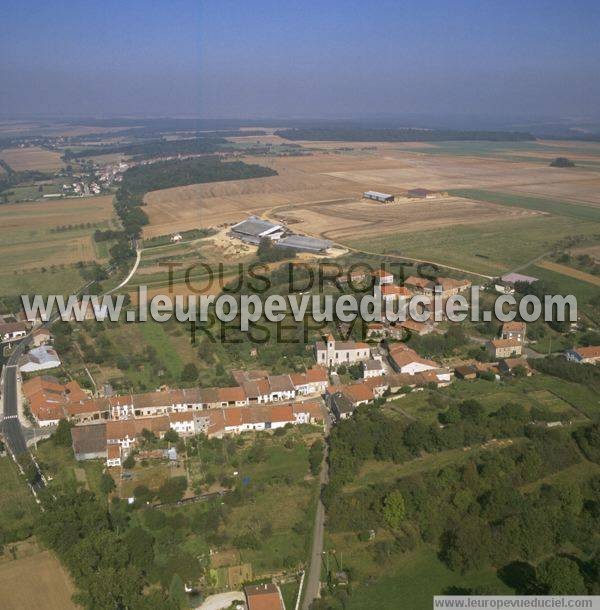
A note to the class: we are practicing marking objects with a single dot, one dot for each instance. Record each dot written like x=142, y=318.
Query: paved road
x=313, y=578
x=138, y=258
x=11, y=426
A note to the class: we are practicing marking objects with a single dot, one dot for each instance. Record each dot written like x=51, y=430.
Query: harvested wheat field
x=33, y=158
x=207, y=205
x=580, y=187
x=35, y=581
x=440, y=172
x=321, y=194
x=342, y=222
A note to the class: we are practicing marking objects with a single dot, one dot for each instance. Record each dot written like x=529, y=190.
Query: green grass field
x=413, y=580
x=542, y=204
x=490, y=248
x=18, y=509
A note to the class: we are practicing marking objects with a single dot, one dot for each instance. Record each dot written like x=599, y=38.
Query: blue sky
x=259, y=58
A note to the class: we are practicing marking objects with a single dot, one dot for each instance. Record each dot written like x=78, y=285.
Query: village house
x=465, y=371
x=510, y=366
x=266, y=596
x=313, y=381
x=341, y=406
x=391, y=292
x=446, y=287
x=49, y=400
x=89, y=442
x=332, y=353
x=40, y=336
x=39, y=359
x=505, y=348
x=514, y=330
x=406, y=360
x=419, y=328
x=584, y=355
x=419, y=285
x=12, y=331
x=382, y=277
x=373, y=368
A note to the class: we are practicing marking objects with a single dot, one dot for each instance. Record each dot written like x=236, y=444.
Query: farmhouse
x=303, y=243
x=12, y=331
x=39, y=359
x=333, y=353
x=584, y=355
x=505, y=348
x=377, y=196
x=253, y=229
x=514, y=330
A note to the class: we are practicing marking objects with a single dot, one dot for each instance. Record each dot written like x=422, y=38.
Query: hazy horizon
x=331, y=60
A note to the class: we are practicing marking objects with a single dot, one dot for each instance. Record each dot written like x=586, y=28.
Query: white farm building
x=253, y=229
x=377, y=196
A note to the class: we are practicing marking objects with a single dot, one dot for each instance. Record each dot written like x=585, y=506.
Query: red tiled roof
x=592, y=351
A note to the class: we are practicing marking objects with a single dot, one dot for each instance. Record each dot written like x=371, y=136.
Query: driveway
x=220, y=601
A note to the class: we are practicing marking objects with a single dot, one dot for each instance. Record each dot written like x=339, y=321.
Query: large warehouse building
x=377, y=196
x=253, y=229
x=304, y=243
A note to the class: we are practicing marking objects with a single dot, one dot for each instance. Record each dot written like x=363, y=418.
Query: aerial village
x=109, y=427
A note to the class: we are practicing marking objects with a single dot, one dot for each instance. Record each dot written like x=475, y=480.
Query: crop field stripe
x=541, y=204
x=570, y=272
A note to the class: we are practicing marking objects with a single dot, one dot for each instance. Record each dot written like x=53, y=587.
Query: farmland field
x=32, y=158
x=501, y=213
x=48, y=236
x=488, y=248
x=35, y=581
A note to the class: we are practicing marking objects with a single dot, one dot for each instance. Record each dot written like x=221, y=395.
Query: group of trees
x=475, y=512
x=112, y=561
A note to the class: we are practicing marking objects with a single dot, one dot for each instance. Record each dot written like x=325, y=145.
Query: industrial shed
x=253, y=229
x=304, y=243
x=377, y=196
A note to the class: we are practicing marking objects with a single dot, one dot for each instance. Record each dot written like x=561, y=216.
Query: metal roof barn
x=377, y=196
x=302, y=242
x=256, y=227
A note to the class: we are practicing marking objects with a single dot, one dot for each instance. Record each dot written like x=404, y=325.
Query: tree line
x=357, y=134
